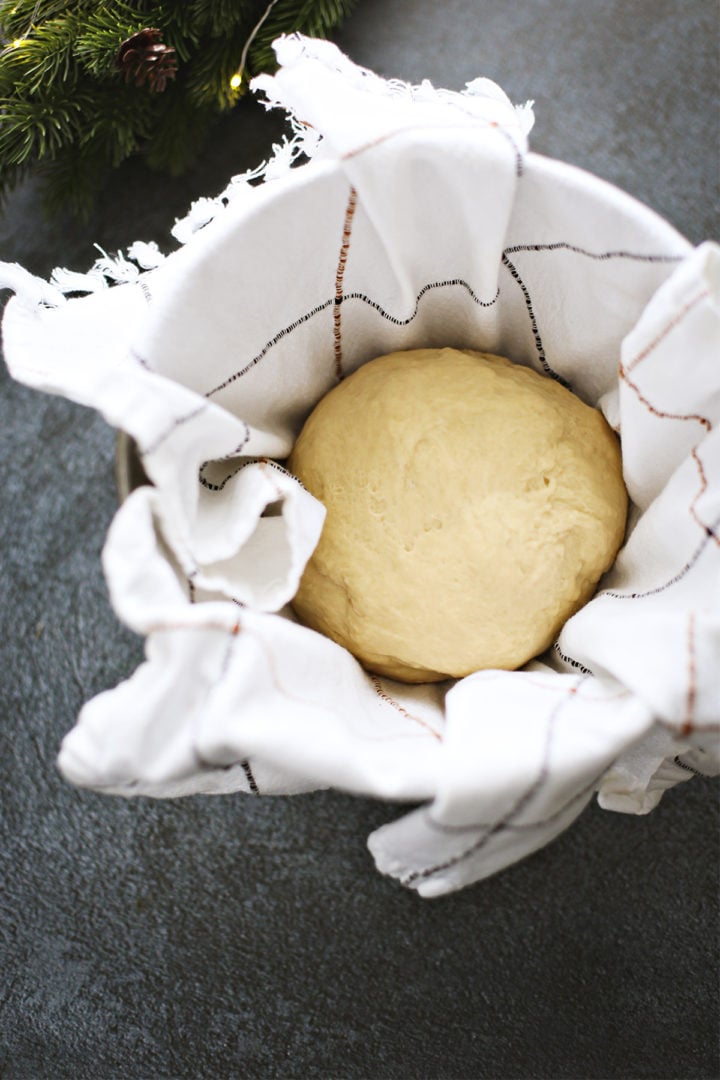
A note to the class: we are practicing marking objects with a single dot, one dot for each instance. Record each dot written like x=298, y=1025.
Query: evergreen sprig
x=68, y=110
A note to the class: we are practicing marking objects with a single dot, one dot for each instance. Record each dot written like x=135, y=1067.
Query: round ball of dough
x=472, y=506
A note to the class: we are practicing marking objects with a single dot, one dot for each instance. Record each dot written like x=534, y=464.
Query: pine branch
x=216, y=17
x=86, y=83
x=183, y=28
x=17, y=17
x=122, y=122
x=44, y=55
x=179, y=133
x=210, y=72
x=72, y=179
x=10, y=177
x=39, y=128
x=316, y=18
x=96, y=45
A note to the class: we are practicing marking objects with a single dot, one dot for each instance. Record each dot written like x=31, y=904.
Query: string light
x=18, y=42
x=236, y=81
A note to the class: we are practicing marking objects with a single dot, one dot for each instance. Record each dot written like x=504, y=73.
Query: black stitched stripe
x=569, y=660
x=243, y=465
x=252, y=783
x=688, y=768
x=226, y=457
x=519, y=166
x=557, y=246
x=135, y=355
x=673, y=580
x=514, y=810
x=266, y=348
x=539, y=347
x=343, y=300
x=425, y=289
x=219, y=487
x=525, y=826
x=562, y=245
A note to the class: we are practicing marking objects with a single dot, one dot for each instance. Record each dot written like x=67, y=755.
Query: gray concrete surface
x=237, y=937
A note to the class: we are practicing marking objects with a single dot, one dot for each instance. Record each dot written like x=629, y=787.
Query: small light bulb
x=236, y=81
x=17, y=43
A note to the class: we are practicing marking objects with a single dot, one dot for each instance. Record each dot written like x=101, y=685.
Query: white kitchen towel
x=420, y=219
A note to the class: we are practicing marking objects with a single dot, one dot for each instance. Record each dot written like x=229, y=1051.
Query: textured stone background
x=234, y=937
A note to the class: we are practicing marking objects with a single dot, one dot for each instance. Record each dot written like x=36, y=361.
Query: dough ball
x=472, y=506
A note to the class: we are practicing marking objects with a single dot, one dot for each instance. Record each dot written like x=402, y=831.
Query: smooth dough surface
x=472, y=506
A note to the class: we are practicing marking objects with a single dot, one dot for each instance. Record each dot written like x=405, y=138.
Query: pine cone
x=145, y=59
